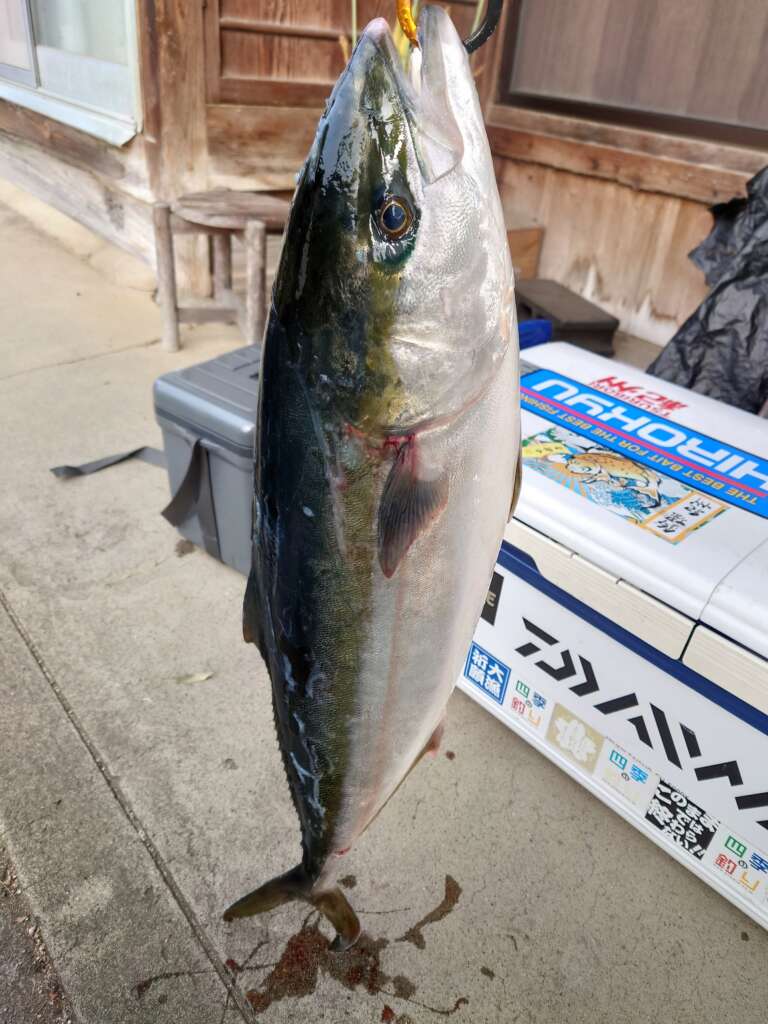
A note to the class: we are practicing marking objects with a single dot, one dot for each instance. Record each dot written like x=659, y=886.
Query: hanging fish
x=387, y=444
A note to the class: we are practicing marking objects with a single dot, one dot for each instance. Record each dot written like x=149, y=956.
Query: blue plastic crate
x=534, y=332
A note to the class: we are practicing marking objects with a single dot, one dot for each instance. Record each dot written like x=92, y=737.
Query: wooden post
x=166, y=276
x=255, y=237
x=222, y=265
x=173, y=81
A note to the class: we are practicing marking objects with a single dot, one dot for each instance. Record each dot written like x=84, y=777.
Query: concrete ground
x=29, y=986
x=140, y=783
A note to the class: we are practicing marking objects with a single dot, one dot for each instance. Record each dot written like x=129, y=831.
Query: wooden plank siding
x=102, y=202
x=270, y=66
x=693, y=169
x=258, y=147
x=283, y=52
x=694, y=59
x=620, y=207
x=232, y=91
x=624, y=249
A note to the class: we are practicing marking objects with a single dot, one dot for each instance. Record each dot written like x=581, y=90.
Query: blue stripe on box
x=522, y=565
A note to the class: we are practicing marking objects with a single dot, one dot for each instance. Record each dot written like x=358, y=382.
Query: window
x=73, y=60
x=694, y=67
x=15, y=49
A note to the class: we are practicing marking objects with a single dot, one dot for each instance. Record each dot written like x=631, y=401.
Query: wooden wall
x=621, y=207
x=622, y=248
x=232, y=90
x=104, y=187
x=270, y=65
x=703, y=59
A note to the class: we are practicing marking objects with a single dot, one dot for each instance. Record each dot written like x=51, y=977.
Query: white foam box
x=625, y=632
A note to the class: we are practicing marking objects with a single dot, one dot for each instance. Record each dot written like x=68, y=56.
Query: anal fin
x=411, y=500
x=252, y=616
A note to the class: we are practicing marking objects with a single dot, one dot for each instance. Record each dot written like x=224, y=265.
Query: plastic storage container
x=207, y=414
x=534, y=332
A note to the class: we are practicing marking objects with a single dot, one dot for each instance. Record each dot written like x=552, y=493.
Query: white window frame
x=27, y=76
x=22, y=86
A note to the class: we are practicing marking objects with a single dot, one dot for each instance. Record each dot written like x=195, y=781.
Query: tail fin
x=297, y=884
x=293, y=885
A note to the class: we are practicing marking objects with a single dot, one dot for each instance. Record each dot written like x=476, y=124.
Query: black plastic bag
x=722, y=349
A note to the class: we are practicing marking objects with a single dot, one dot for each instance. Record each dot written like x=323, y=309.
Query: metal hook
x=407, y=24
x=488, y=27
x=475, y=41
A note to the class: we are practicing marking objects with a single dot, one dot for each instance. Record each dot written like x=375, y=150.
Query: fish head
x=395, y=270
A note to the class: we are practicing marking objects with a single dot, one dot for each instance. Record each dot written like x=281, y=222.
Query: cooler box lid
x=738, y=606
x=646, y=500
x=216, y=399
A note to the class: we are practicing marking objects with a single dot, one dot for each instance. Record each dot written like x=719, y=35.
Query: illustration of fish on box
x=637, y=493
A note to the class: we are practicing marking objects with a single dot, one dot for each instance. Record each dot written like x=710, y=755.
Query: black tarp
x=722, y=349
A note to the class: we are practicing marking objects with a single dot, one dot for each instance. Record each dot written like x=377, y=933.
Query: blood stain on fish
x=446, y=905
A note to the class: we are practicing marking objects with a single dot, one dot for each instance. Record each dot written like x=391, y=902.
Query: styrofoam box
x=624, y=633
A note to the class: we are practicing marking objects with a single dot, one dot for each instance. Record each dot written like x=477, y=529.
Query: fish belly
x=423, y=617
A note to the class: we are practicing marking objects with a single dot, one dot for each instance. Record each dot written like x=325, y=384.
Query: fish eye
x=395, y=217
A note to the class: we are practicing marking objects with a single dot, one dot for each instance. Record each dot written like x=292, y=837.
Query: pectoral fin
x=409, y=503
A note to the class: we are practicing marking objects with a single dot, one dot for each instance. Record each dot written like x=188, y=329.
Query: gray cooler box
x=207, y=414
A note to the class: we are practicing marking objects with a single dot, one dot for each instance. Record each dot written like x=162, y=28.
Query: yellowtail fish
x=387, y=442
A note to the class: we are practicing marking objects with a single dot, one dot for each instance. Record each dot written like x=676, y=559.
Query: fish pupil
x=395, y=218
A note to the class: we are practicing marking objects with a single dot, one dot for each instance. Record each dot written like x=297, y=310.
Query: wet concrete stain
x=307, y=955
x=184, y=547
x=450, y=754
x=141, y=989
x=487, y=972
x=450, y=899
x=348, y=881
x=388, y=1016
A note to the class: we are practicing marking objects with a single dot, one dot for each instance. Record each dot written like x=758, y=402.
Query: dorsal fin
x=409, y=503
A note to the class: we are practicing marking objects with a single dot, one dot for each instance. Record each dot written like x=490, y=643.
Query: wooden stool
x=220, y=214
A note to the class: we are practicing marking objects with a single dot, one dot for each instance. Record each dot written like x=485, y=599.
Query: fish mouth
x=424, y=86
